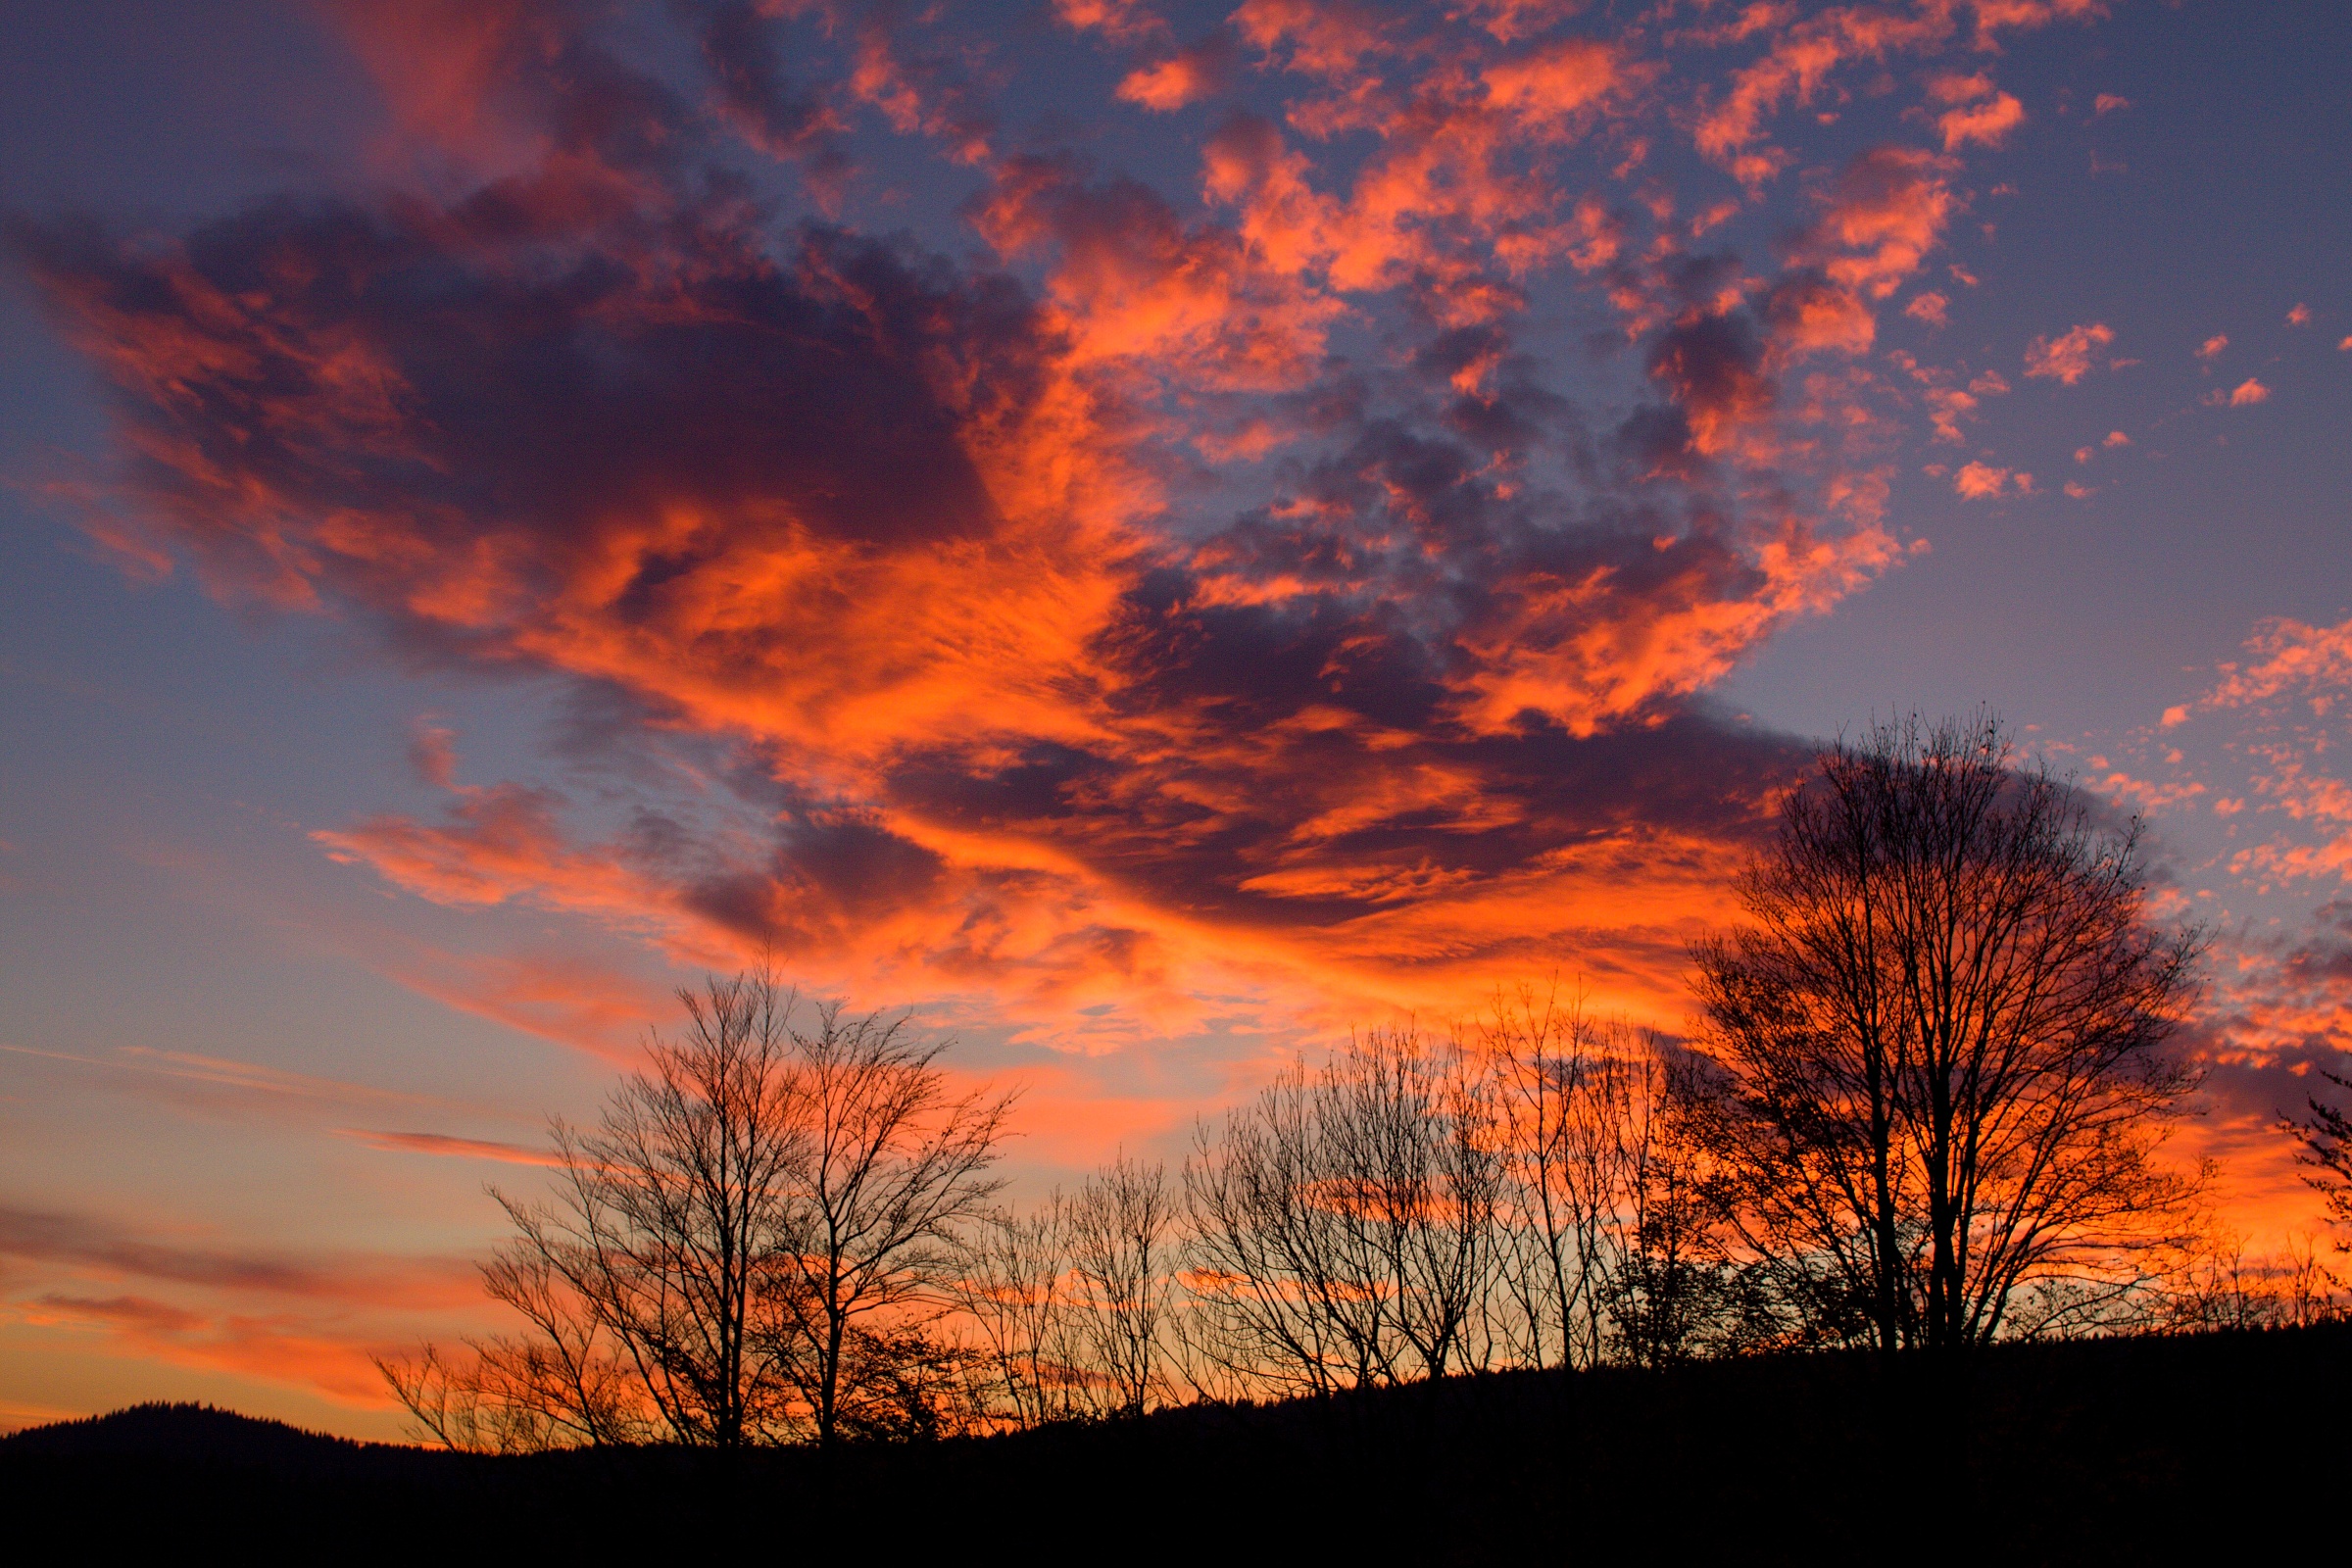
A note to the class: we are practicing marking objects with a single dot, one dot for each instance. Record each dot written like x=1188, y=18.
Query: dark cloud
x=1053, y=609
x=107, y=1248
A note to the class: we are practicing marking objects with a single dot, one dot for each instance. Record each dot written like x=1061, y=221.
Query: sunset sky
x=1146, y=533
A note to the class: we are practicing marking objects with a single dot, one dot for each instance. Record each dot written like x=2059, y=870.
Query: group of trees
x=1922, y=1108
x=752, y=1245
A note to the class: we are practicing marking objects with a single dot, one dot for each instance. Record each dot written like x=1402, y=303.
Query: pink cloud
x=1946, y=407
x=1181, y=78
x=1928, y=307
x=445, y=1145
x=2287, y=655
x=2068, y=358
x=1122, y=20
x=2213, y=346
x=1988, y=123
x=432, y=753
x=1981, y=482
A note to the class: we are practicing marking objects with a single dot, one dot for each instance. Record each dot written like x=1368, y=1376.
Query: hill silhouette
x=199, y=1431
x=2045, y=1452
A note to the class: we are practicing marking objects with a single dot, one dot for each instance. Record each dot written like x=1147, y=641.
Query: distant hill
x=184, y=1432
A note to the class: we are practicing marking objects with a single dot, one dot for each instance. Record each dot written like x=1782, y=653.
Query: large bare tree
x=891, y=1165
x=651, y=1279
x=1941, y=1037
x=751, y=1246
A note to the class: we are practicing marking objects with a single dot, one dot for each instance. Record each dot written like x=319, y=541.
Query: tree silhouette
x=2325, y=1134
x=1121, y=1228
x=889, y=1165
x=750, y=1245
x=649, y=1280
x=1344, y=1222
x=1940, y=1036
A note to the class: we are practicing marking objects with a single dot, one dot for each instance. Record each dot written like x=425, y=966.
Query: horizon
x=1150, y=536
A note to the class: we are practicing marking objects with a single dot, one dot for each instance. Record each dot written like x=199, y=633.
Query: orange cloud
x=1136, y=287
x=1319, y=37
x=443, y=1143
x=1886, y=211
x=1810, y=316
x=95, y=1248
x=1196, y=600
x=1123, y=20
x=2024, y=14
x=2068, y=358
x=1981, y=482
x=1928, y=307
x=1552, y=85
x=2213, y=346
x=1457, y=200
x=1989, y=122
x=1803, y=56
x=2248, y=391
x=1181, y=78
x=2287, y=655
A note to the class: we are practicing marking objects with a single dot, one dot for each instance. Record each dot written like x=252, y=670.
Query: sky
x=1147, y=534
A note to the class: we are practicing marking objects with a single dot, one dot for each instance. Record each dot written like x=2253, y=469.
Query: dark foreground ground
x=2037, y=1453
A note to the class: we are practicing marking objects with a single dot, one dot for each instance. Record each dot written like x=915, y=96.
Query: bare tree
x=1566, y=1084
x=1120, y=1228
x=1673, y=1288
x=2326, y=1135
x=750, y=1243
x=2219, y=1285
x=475, y=1404
x=888, y=1166
x=1343, y=1224
x=647, y=1281
x=1014, y=1294
x=1941, y=1036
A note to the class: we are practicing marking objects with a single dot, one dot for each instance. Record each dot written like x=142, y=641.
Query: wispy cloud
x=447, y=1145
